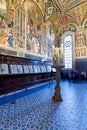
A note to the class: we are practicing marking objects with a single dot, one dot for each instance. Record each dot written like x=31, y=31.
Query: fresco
x=77, y=52
x=33, y=35
x=69, y=27
x=78, y=12
x=80, y=39
x=68, y=3
x=65, y=20
x=80, y=52
x=80, y=43
x=50, y=40
x=6, y=32
x=6, y=26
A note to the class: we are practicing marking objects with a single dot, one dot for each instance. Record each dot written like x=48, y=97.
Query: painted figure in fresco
x=10, y=38
x=83, y=51
x=3, y=31
x=33, y=46
x=21, y=43
x=78, y=52
x=6, y=32
x=72, y=27
x=3, y=23
x=29, y=42
x=33, y=35
x=6, y=26
x=28, y=29
x=80, y=40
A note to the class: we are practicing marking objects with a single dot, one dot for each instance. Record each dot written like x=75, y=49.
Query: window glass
x=68, y=52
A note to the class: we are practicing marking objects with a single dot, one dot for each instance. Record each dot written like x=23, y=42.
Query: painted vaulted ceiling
x=57, y=12
x=62, y=12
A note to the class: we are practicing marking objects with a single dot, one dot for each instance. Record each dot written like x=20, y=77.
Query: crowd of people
x=74, y=75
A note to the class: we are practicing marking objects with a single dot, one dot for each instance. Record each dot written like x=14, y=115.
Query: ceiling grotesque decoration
x=78, y=12
x=47, y=7
x=61, y=12
x=68, y=4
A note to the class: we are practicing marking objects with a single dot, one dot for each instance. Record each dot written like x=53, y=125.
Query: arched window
x=67, y=46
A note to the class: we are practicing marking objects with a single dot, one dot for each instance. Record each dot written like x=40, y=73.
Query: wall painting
x=34, y=36
x=68, y=3
x=80, y=52
x=80, y=39
x=6, y=26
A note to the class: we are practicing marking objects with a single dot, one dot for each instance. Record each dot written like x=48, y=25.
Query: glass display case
x=43, y=68
x=30, y=69
x=4, y=69
x=35, y=68
x=26, y=68
x=48, y=68
x=38, y=67
x=19, y=69
x=13, y=69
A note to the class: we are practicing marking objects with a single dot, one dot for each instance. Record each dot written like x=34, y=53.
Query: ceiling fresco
x=54, y=10
x=48, y=7
x=59, y=12
x=58, y=6
x=78, y=12
x=55, y=19
x=67, y=4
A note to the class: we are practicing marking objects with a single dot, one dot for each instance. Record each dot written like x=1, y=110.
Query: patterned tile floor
x=37, y=111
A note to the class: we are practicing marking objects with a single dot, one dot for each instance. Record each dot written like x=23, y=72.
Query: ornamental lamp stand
x=57, y=64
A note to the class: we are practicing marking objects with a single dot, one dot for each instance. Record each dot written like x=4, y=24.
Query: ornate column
x=26, y=8
x=19, y=29
x=44, y=42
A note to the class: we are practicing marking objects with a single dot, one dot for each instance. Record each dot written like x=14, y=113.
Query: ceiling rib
x=57, y=5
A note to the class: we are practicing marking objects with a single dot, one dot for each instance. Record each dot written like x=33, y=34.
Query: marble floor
x=37, y=111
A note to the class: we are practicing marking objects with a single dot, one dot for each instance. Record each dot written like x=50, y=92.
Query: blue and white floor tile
x=37, y=111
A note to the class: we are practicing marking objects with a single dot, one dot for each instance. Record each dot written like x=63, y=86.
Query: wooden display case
x=18, y=73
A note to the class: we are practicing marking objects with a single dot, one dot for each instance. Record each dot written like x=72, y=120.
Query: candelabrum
x=57, y=64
